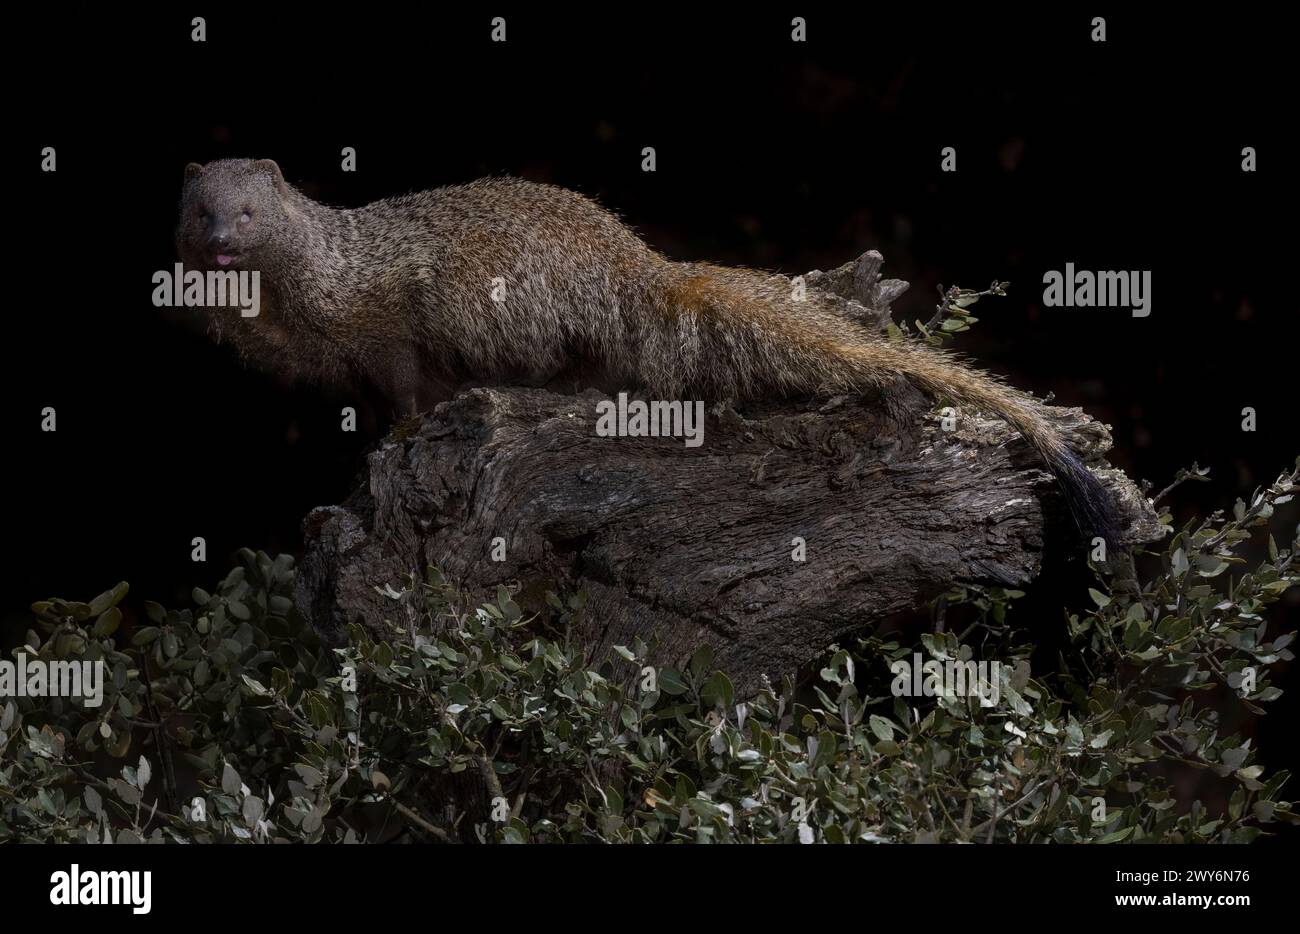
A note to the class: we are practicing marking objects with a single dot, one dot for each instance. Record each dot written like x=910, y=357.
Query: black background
x=774, y=154
x=364, y=882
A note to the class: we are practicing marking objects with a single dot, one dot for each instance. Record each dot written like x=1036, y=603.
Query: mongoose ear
x=192, y=170
x=269, y=165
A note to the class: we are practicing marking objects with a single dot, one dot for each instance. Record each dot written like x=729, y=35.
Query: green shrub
x=477, y=724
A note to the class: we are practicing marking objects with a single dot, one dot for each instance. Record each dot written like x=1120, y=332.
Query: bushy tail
x=744, y=334
x=1091, y=503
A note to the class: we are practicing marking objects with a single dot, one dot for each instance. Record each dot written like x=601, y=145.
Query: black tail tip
x=1091, y=502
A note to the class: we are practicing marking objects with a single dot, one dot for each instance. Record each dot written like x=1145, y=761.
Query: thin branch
x=1189, y=473
x=420, y=822
x=950, y=295
x=161, y=741
x=490, y=777
x=991, y=823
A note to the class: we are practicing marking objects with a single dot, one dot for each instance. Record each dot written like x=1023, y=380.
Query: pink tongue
x=224, y=260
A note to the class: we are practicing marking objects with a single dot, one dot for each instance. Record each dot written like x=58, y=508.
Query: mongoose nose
x=219, y=241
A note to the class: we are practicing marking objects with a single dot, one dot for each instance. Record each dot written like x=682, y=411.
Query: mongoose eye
x=203, y=215
x=245, y=217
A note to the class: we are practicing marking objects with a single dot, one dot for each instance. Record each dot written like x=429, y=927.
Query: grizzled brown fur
x=400, y=293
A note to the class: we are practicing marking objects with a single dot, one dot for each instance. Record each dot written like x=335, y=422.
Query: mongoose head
x=231, y=211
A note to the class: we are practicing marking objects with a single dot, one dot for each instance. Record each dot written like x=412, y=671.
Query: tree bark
x=683, y=546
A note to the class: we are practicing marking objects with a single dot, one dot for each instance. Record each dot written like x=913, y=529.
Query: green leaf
x=230, y=781
x=671, y=682
x=108, y=598
x=718, y=691
x=700, y=662
x=256, y=687
x=107, y=622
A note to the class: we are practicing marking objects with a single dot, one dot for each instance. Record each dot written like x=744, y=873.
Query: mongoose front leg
x=402, y=385
x=406, y=406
